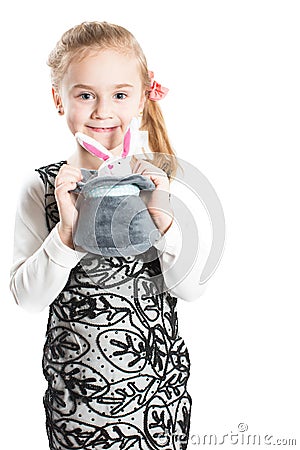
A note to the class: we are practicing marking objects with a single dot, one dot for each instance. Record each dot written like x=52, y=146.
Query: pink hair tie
x=157, y=91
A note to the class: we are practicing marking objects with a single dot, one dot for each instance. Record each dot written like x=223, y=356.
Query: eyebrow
x=119, y=86
x=116, y=86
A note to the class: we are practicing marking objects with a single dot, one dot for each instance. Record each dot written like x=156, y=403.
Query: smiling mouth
x=103, y=129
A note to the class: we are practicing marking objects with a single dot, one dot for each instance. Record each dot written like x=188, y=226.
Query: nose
x=102, y=110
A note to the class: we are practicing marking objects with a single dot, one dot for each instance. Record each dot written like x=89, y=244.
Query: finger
x=63, y=182
x=142, y=168
x=136, y=166
x=133, y=161
x=69, y=170
x=65, y=186
x=67, y=177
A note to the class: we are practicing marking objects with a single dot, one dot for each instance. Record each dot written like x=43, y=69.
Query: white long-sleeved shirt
x=42, y=262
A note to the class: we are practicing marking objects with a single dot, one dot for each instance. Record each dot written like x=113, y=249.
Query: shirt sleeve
x=41, y=261
x=184, y=248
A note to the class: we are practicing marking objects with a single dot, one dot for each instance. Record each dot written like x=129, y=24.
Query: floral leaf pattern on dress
x=77, y=435
x=92, y=309
x=126, y=396
x=64, y=345
x=116, y=367
x=124, y=349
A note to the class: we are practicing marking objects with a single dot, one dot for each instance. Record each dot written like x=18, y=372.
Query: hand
x=65, y=182
x=157, y=201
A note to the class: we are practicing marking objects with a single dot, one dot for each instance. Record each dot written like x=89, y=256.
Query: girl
x=115, y=364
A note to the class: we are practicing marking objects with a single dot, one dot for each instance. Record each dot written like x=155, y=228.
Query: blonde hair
x=87, y=36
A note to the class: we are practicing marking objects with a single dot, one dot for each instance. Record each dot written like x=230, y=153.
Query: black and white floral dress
x=116, y=366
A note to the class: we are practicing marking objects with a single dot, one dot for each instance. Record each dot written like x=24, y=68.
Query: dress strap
x=48, y=174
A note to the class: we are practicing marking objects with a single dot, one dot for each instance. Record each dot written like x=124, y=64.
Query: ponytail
x=163, y=154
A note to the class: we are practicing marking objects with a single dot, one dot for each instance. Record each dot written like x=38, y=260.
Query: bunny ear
x=92, y=146
x=130, y=140
x=126, y=143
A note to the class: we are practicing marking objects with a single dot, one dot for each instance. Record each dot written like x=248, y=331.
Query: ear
x=57, y=101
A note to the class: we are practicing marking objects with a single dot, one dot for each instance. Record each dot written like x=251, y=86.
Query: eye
x=120, y=96
x=86, y=96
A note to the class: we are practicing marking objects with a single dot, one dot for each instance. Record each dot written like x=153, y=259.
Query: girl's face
x=101, y=94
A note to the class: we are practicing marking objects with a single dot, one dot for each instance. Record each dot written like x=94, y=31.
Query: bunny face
x=133, y=142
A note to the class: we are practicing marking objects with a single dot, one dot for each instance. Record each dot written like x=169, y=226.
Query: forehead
x=103, y=68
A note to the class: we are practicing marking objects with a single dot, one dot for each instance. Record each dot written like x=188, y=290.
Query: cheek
x=76, y=114
x=74, y=121
x=132, y=108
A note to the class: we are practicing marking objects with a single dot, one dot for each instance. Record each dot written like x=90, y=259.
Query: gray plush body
x=109, y=223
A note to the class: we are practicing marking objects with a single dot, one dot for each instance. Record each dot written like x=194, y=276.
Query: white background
x=233, y=110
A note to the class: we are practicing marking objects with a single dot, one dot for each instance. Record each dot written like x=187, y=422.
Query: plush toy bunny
x=134, y=140
x=112, y=218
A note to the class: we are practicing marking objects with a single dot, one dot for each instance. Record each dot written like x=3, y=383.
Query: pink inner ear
x=126, y=144
x=90, y=148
